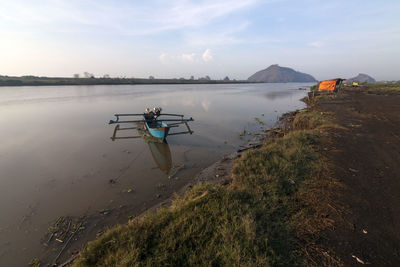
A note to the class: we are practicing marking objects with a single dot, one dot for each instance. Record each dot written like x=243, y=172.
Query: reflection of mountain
x=277, y=94
x=161, y=155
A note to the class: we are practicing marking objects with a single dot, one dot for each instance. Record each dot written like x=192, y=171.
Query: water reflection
x=278, y=94
x=161, y=155
x=160, y=151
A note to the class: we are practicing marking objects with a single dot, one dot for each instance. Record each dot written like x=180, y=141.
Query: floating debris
x=128, y=190
x=353, y=170
x=160, y=185
x=175, y=170
x=259, y=121
x=242, y=134
x=104, y=212
x=34, y=262
x=359, y=260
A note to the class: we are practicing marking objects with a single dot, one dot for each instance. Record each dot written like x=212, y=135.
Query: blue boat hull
x=158, y=129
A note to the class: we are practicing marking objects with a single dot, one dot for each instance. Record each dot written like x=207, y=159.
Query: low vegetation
x=53, y=81
x=269, y=215
x=383, y=88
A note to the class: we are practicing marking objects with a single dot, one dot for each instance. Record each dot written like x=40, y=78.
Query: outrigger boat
x=158, y=128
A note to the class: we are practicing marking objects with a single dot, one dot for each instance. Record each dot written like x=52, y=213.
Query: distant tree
x=106, y=76
x=76, y=75
x=192, y=77
x=207, y=77
x=226, y=78
x=88, y=75
x=151, y=77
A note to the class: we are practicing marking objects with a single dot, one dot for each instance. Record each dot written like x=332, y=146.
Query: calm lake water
x=57, y=158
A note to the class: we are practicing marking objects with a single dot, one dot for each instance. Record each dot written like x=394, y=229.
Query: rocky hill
x=277, y=74
x=362, y=78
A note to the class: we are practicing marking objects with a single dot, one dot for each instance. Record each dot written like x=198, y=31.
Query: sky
x=180, y=38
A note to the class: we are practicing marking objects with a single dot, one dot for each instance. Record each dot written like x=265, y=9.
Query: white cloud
x=191, y=13
x=189, y=58
x=163, y=58
x=207, y=56
x=127, y=19
x=316, y=44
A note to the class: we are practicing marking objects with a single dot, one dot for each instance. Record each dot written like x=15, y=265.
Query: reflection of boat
x=156, y=127
x=161, y=155
x=159, y=150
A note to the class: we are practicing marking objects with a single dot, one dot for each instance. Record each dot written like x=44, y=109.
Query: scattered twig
x=51, y=236
x=66, y=243
x=176, y=170
x=70, y=260
x=360, y=260
x=353, y=170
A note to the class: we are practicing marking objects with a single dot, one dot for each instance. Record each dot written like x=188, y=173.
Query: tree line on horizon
x=90, y=79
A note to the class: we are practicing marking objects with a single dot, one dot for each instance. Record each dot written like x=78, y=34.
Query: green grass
x=383, y=88
x=260, y=219
x=314, y=88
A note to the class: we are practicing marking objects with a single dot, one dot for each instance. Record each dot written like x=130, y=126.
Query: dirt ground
x=366, y=159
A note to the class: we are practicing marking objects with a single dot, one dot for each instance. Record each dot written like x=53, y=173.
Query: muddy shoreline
x=93, y=226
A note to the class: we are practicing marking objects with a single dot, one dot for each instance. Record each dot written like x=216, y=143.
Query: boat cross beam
x=187, y=132
x=142, y=114
x=176, y=120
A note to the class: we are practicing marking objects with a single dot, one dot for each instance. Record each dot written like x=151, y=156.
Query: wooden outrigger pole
x=158, y=128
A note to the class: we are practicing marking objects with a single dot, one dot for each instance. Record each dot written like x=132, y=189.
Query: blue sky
x=179, y=38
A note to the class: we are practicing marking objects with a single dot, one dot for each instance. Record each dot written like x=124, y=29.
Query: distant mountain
x=362, y=78
x=277, y=74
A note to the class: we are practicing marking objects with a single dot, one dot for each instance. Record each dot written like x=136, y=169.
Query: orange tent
x=329, y=85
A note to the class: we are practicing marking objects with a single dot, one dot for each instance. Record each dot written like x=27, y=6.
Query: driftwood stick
x=66, y=232
x=70, y=260
x=51, y=236
x=66, y=243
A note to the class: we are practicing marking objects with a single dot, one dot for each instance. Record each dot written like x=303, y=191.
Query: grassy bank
x=269, y=215
x=392, y=88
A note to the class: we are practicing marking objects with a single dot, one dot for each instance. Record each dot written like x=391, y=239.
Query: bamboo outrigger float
x=158, y=128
